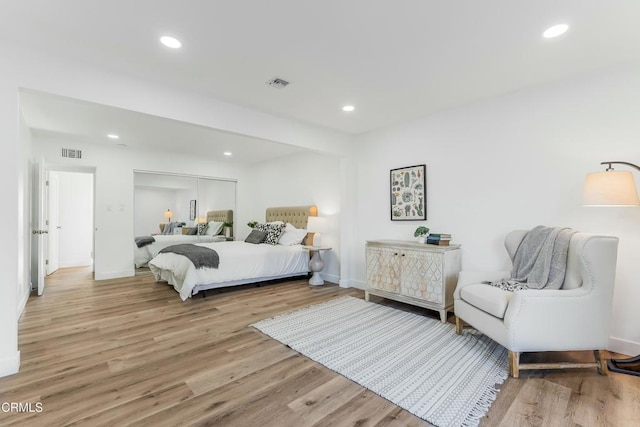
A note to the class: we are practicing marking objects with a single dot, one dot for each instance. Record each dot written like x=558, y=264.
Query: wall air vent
x=278, y=83
x=71, y=153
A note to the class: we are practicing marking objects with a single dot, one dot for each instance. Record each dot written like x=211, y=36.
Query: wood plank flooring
x=130, y=352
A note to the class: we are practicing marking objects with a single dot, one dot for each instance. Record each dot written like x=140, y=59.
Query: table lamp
x=316, y=225
x=168, y=214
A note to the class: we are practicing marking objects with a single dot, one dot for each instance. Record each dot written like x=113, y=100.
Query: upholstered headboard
x=220, y=216
x=294, y=215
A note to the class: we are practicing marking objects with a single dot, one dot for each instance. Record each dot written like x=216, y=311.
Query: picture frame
x=192, y=209
x=408, y=193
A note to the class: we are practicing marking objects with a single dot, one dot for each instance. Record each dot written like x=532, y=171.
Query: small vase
x=422, y=239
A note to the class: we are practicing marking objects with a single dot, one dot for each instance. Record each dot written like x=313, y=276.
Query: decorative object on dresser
x=316, y=264
x=409, y=193
x=439, y=239
x=421, y=233
x=411, y=360
x=413, y=273
x=614, y=188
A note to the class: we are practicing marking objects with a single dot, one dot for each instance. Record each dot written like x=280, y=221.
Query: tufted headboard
x=294, y=215
x=220, y=216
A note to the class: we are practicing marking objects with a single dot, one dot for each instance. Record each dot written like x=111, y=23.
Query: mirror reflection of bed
x=273, y=250
x=168, y=206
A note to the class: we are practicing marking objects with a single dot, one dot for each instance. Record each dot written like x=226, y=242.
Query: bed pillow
x=256, y=236
x=292, y=236
x=274, y=231
x=213, y=228
x=193, y=231
x=202, y=228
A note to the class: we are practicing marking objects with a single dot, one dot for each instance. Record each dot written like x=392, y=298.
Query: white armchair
x=575, y=317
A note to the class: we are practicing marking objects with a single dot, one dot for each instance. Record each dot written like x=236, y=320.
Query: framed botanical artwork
x=192, y=209
x=409, y=193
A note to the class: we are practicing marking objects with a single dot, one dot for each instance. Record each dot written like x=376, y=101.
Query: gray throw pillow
x=193, y=231
x=256, y=236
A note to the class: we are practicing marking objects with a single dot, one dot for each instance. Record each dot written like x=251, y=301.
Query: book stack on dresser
x=440, y=239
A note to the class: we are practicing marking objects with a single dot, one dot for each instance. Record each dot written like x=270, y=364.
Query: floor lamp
x=614, y=188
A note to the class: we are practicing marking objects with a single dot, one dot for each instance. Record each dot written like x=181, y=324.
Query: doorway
x=68, y=222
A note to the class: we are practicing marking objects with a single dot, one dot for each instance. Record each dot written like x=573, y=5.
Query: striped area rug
x=418, y=363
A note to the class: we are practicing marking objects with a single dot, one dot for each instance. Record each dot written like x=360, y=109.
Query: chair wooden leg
x=514, y=364
x=459, y=325
x=601, y=360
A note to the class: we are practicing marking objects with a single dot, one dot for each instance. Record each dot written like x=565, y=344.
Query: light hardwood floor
x=128, y=351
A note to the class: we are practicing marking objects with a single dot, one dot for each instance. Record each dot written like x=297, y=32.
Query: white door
x=38, y=228
x=53, y=222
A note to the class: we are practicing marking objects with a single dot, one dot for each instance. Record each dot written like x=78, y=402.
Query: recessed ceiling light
x=555, y=31
x=227, y=153
x=171, y=42
x=113, y=136
x=348, y=108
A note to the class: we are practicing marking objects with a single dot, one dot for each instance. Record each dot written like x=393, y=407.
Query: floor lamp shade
x=610, y=188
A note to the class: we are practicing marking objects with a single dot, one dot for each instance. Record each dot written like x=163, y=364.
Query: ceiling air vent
x=71, y=153
x=278, y=83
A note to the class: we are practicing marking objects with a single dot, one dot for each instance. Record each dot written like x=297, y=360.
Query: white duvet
x=239, y=261
x=146, y=253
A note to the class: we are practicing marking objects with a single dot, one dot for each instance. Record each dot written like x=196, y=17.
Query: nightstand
x=316, y=264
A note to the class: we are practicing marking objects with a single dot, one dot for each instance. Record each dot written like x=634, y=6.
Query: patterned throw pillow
x=274, y=231
x=202, y=228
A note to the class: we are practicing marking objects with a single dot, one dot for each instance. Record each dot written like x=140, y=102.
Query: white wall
x=75, y=204
x=301, y=179
x=12, y=175
x=24, y=218
x=509, y=163
x=150, y=205
x=23, y=68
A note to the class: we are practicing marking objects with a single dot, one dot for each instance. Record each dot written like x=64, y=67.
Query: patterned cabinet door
x=383, y=269
x=422, y=275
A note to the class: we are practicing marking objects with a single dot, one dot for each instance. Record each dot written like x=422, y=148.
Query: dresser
x=414, y=273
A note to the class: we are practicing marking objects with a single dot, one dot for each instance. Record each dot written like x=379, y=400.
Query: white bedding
x=239, y=261
x=146, y=253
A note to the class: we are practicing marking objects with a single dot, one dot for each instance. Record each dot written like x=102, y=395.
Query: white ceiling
x=58, y=118
x=394, y=60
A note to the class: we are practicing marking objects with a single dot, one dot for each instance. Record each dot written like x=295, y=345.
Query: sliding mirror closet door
x=161, y=198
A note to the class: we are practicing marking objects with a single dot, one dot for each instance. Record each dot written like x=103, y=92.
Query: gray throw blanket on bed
x=142, y=241
x=540, y=261
x=200, y=256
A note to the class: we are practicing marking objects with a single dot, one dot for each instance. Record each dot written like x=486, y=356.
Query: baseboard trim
x=623, y=346
x=10, y=365
x=114, y=275
x=333, y=278
x=23, y=301
x=353, y=284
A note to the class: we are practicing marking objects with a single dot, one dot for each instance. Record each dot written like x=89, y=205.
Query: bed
x=144, y=254
x=239, y=262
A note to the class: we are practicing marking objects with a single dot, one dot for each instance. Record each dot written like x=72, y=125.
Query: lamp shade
x=316, y=224
x=610, y=188
x=168, y=214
